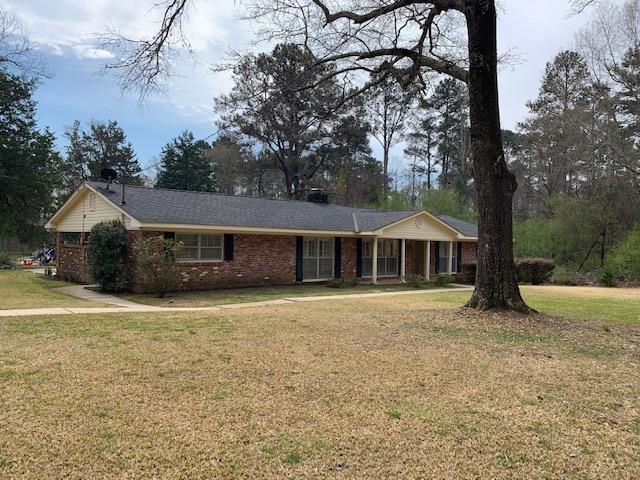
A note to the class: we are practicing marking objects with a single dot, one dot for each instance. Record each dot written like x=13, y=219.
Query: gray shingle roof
x=152, y=205
x=465, y=228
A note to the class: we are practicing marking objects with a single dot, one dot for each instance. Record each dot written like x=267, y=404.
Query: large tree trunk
x=496, y=284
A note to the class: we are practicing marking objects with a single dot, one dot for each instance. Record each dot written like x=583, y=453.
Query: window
x=92, y=202
x=443, y=256
x=195, y=247
x=71, y=238
x=317, y=262
x=387, y=257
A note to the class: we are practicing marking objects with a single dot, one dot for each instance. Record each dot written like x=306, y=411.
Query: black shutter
x=169, y=235
x=459, y=257
x=228, y=246
x=359, y=257
x=337, y=257
x=437, y=253
x=299, y=258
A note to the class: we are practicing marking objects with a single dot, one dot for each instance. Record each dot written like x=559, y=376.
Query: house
x=244, y=241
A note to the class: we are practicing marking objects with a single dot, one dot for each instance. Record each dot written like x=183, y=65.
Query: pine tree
x=185, y=165
x=29, y=164
x=106, y=146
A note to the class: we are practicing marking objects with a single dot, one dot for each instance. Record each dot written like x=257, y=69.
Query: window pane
x=187, y=240
x=326, y=268
x=309, y=248
x=211, y=253
x=392, y=266
x=367, y=248
x=443, y=265
x=325, y=248
x=367, y=264
x=309, y=268
x=187, y=253
x=210, y=241
x=71, y=238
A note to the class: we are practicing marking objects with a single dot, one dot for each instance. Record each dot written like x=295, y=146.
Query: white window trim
x=190, y=260
x=318, y=257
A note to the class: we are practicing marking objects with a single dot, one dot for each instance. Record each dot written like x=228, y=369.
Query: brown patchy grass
x=23, y=289
x=209, y=298
x=382, y=388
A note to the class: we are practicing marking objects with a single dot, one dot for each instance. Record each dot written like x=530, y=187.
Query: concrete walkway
x=125, y=306
x=84, y=292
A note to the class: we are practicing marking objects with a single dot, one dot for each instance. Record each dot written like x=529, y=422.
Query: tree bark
x=496, y=284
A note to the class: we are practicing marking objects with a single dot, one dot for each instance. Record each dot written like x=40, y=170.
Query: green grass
x=598, y=307
x=23, y=289
x=257, y=294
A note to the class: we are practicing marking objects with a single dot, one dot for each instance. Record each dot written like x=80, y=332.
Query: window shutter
x=437, y=252
x=228, y=246
x=459, y=257
x=169, y=235
x=299, y=258
x=359, y=257
x=337, y=257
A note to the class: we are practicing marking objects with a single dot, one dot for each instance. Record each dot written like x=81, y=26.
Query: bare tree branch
x=17, y=52
x=145, y=64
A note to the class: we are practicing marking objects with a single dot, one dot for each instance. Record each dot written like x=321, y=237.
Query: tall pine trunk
x=496, y=284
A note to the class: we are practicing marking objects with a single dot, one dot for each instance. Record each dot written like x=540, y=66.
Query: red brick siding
x=257, y=260
x=468, y=251
x=349, y=254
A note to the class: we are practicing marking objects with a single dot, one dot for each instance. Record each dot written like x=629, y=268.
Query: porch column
x=402, y=260
x=374, y=267
x=450, y=258
x=427, y=260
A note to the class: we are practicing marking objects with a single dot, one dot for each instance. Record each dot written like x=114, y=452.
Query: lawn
x=23, y=289
x=258, y=294
x=604, y=305
x=393, y=387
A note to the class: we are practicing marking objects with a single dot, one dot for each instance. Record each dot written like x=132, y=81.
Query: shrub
x=534, y=270
x=415, y=280
x=107, y=253
x=468, y=272
x=607, y=277
x=342, y=282
x=155, y=260
x=442, y=279
x=564, y=276
x=624, y=259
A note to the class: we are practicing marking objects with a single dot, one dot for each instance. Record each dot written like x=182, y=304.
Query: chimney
x=316, y=195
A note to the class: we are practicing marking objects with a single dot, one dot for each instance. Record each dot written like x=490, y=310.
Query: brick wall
x=72, y=261
x=349, y=254
x=257, y=260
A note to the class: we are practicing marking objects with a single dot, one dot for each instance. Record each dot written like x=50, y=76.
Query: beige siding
x=80, y=218
x=429, y=229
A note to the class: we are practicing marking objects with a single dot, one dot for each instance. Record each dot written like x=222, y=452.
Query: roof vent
x=317, y=196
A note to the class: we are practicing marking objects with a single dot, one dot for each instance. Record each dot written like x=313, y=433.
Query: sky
x=66, y=32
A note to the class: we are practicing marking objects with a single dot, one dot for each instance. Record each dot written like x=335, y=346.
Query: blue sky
x=66, y=31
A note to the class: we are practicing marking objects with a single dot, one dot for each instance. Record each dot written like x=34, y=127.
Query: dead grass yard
x=396, y=387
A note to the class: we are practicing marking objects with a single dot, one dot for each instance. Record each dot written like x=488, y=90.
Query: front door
x=418, y=257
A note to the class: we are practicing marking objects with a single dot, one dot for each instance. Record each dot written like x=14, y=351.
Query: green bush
x=155, y=260
x=415, y=280
x=107, y=254
x=534, y=270
x=442, y=279
x=624, y=259
x=607, y=277
x=343, y=282
x=564, y=276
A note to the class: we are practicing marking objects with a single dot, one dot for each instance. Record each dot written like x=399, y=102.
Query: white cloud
x=90, y=52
